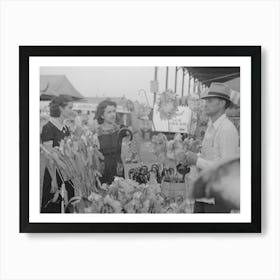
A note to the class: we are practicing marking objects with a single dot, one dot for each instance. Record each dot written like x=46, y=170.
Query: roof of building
x=54, y=85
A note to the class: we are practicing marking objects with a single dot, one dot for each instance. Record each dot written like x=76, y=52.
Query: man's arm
x=205, y=164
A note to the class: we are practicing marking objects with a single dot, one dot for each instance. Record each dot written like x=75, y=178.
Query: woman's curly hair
x=101, y=109
x=56, y=103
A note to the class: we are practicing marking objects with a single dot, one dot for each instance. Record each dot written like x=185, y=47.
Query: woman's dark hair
x=101, y=109
x=58, y=101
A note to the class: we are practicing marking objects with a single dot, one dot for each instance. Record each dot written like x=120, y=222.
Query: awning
x=234, y=84
x=55, y=85
x=207, y=75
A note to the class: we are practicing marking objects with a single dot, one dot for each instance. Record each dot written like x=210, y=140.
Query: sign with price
x=180, y=123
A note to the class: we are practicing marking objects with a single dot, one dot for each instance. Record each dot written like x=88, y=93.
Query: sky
x=117, y=81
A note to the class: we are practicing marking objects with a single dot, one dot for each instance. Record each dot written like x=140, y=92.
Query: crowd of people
x=217, y=187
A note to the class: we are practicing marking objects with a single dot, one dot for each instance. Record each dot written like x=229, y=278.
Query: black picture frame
x=25, y=52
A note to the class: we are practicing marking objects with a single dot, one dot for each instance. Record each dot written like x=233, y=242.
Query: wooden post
x=155, y=78
x=199, y=88
x=175, y=86
x=202, y=89
x=189, y=85
x=183, y=82
x=196, y=86
x=166, y=78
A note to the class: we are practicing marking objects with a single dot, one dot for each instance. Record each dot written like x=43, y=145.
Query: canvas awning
x=234, y=84
x=55, y=85
x=207, y=75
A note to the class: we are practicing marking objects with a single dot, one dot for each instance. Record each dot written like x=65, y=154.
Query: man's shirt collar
x=217, y=122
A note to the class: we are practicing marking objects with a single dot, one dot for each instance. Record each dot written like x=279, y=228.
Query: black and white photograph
x=126, y=139
x=139, y=140
x=112, y=144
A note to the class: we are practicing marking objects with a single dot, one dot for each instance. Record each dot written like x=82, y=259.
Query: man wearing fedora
x=220, y=141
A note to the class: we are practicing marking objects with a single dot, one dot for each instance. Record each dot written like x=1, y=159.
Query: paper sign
x=180, y=123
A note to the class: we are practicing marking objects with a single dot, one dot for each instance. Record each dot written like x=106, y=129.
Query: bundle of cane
x=83, y=155
x=56, y=166
x=78, y=160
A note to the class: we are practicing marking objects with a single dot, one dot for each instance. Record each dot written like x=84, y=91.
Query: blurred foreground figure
x=221, y=183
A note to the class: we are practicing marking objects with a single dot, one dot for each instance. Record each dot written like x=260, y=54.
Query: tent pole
x=166, y=78
x=189, y=85
x=155, y=78
x=183, y=82
x=175, y=86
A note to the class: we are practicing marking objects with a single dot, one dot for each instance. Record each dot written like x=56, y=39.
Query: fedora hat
x=218, y=90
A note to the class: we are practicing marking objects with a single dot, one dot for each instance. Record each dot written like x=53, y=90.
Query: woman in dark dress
x=52, y=133
x=110, y=142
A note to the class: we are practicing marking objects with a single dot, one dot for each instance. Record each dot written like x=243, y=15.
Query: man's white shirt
x=221, y=142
